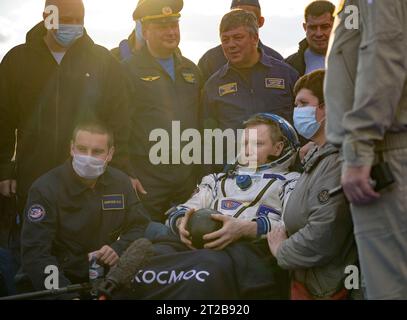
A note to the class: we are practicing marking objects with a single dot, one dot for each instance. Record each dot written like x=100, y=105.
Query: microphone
x=135, y=257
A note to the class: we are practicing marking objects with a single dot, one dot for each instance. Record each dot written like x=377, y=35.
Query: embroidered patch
x=150, y=78
x=275, y=83
x=227, y=89
x=323, y=196
x=36, y=213
x=230, y=204
x=189, y=77
x=113, y=202
x=264, y=211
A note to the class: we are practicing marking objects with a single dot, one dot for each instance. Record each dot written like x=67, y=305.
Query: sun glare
x=108, y=22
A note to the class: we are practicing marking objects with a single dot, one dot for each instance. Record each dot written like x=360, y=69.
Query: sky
x=110, y=21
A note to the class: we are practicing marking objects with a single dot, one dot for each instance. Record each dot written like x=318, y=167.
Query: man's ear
x=144, y=31
x=72, y=149
x=279, y=148
x=261, y=22
x=110, y=154
x=304, y=25
x=255, y=37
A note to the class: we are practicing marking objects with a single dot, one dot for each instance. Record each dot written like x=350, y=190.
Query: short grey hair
x=239, y=18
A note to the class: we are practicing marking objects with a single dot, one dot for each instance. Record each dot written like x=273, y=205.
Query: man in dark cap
x=214, y=59
x=166, y=89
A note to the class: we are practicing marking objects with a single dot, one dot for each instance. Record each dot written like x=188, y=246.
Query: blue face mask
x=305, y=121
x=67, y=34
x=139, y=33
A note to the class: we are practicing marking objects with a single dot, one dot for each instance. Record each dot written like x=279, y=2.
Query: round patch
x=167, y=11
x=323, y=196
x=36, y=213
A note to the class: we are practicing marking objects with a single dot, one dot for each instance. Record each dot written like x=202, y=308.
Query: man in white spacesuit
x=236, y=262
x=248, y=200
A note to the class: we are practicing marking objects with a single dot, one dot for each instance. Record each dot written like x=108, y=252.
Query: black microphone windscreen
x=135, y=257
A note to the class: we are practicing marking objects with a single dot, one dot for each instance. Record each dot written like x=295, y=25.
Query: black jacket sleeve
x=8, y=120
x=37, y=238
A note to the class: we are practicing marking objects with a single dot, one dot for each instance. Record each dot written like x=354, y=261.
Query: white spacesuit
x=242, y=193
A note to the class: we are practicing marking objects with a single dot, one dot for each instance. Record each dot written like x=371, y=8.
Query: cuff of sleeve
x=263, y=226
x=7, y=171
x=172, y=220
x=117, y=247
x=358, y=153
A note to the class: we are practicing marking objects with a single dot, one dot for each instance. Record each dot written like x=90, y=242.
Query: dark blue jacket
x=230, y=98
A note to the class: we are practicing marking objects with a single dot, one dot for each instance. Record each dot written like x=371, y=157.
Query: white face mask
x=88, y=167
x=305, y=121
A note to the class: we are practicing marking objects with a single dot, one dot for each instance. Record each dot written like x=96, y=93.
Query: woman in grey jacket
x=320, y=243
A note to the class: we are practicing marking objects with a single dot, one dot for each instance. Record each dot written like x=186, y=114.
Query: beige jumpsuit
x=366, y=97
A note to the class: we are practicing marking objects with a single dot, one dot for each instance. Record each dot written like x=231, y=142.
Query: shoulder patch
x=230, y=204
x=189, y=77
x=275, y=83
x=36, y=213
x=150, y=78
x=323, y=196
x=227, y=89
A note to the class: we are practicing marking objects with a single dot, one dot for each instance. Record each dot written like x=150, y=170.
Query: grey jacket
x=366, y=80
x=321, y=242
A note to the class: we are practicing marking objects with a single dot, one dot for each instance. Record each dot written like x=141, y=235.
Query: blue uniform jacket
x=214, y=59
x=232, y=96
